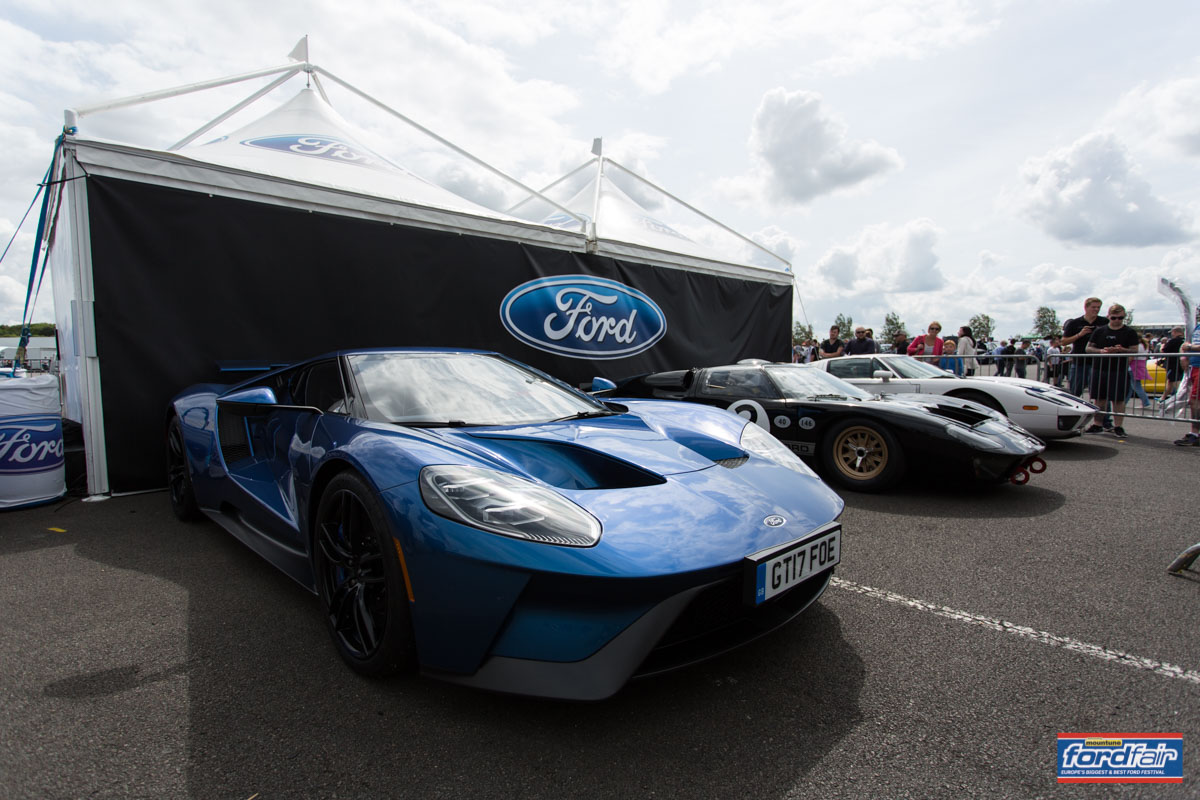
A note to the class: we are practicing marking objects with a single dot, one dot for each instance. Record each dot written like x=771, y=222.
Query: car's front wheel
x=179, y=475
x=360, y=579
x=862, y=455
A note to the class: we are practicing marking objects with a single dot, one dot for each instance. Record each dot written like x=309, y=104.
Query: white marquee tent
x=165, y=261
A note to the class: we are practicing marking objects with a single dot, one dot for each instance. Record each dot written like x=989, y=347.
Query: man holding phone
x=1110, y=376
x=1076, y=333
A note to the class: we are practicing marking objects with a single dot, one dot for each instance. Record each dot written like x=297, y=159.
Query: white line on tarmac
x=1093, y=650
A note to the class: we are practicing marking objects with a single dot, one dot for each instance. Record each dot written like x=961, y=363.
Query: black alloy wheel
x=179, y=476
x=360, y=580
x=862, y=455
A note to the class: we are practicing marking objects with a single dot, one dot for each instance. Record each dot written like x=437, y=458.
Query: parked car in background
x=1039, y=408
x=857, y=441
x=1157, y=382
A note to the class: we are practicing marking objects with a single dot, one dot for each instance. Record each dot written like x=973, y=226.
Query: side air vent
x=732, y=463
x=963, y=415
x=231, y=431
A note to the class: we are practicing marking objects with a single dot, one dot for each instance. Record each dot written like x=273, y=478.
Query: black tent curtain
x=184, y=280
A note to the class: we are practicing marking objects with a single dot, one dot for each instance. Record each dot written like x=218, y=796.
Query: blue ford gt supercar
x=462, y=514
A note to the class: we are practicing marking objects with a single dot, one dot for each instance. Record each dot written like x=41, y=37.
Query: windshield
x=909, y=367
x=801, y=383
x=460, y=389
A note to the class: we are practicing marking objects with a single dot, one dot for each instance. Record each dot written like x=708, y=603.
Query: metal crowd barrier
x=1161, y=395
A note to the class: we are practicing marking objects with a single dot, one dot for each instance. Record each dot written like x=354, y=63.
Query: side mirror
x=256, y=395
x=602, y=385
x=259, y=400
x=882, y=374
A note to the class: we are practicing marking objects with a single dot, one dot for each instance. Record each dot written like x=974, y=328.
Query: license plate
x=774, y=571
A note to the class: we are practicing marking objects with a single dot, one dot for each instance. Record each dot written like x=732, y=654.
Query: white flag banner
x=1176, y=292
x=300, y=51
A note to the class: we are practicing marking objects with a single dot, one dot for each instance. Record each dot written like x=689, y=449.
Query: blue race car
x=461, y=513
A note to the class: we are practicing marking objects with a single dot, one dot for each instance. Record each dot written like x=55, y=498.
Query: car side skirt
x=293, y=563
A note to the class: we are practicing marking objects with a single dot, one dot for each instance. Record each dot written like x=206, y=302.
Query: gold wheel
x=860, y=453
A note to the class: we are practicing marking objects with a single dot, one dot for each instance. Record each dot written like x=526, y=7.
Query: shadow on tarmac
x=272, y=709
x=1083, y=449
x=976, y=501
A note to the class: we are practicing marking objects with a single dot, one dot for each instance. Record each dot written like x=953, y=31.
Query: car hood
x=1026, y=383
x=668, y=483
x=627, y=437
x=967, y=412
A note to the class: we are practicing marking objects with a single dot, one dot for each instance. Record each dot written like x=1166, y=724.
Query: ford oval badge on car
x=581, y=316
x=774, y=521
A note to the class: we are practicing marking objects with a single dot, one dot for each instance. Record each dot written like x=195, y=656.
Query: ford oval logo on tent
x=583, y=317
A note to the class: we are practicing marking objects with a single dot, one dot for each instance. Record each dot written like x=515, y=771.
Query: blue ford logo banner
x=323, y=147
x=30, y=443
x=583, y=317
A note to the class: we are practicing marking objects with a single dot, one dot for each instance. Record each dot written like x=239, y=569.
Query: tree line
x=35, y=329
x=1045, y=325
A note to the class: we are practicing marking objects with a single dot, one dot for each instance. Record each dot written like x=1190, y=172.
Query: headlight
x=760, y=443
x=507, y=505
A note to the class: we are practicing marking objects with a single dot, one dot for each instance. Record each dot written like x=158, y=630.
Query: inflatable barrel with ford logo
x=32, y=468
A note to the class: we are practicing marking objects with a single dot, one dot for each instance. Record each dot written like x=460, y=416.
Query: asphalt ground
x=141, y=657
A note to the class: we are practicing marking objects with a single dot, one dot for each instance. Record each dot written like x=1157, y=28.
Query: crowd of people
x=1110, y=380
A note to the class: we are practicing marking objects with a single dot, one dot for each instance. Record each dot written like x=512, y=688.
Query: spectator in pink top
x=929, y=346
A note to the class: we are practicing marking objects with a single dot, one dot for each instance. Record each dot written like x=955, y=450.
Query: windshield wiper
x=450, y=423
x=586, y=415
x=828, y=397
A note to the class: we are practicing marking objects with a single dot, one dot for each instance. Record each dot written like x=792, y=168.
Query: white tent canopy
x=612, y=224
x=621, y=226
x=306, y=140
x=304, y=156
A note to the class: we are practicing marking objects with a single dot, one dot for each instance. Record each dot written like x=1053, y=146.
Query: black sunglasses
x=1115, y=317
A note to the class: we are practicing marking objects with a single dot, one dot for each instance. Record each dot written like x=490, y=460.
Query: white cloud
x=1164, y=117
x=802, y=151
x=1136, y=287
x=12, y=295
x=1092, y=193
x=884, y=258
x=1057, y=284
x=779, y=242
x=656, y=42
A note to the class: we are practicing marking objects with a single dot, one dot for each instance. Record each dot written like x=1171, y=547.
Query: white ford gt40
x=1039, y=408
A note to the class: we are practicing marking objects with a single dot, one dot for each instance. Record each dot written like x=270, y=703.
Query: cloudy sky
x=936, y=158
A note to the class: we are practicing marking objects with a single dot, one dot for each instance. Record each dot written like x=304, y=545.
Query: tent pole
x=440, y=140
x=138, y=99
x=695, y=210
x=270, y=87
x=591, y=230
x=545, y=189
x=320, y=88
